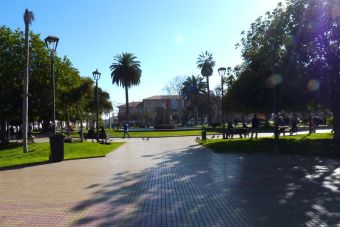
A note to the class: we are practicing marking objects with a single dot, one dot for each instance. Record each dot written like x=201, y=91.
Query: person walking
x=311, y=125
x=126, y=129
x=230, y=130
x=254, y=126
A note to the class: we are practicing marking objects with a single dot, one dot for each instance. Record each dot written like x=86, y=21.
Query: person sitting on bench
x=91, y=134
x=102, y=135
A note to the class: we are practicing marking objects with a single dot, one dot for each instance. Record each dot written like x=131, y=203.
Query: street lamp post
x=273, y=81
x=222, y=71
x=96, y=77
x=51, y=44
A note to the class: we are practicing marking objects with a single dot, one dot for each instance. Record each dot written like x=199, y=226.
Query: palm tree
x=229, y=80
x=206, y=63
x=28, y=18
x=126, y=72
x=193, y=87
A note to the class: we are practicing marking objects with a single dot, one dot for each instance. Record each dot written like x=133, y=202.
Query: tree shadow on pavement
x=197, y=187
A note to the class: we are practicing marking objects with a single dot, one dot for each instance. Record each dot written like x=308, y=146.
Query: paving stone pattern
x=173, y=182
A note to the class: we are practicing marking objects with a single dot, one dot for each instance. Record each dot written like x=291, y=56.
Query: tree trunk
x=25, y=92
x=81, y=124
x=195, y=115
x=209, y=104
x=45, y=127
x=336, y=125
x=127, y=104
x=39, y=126
x=3, y=132
x=68, y=122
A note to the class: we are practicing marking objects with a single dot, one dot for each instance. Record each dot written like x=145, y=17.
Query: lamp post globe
x=51, y=44
x=221, y=72
x=96, y=76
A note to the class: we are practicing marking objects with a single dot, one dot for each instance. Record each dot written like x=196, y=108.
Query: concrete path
x=173, y=182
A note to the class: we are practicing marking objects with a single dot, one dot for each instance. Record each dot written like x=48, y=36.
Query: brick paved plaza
x=173, y=182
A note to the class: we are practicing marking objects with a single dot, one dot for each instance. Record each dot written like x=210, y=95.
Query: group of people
x=243, y=131
x=17, y=133
x=91, y=134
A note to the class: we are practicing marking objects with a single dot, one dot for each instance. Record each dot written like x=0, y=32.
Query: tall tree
x=206, y=63
x=81, y=94
x=174, y=86
x=192, y=90
x=11, y=80
x=293, y=54
x=28, y=18
x=126, y=72
x=317, y=48
x=11, y=62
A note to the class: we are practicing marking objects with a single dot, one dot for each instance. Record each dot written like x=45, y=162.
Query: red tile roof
x=160, y=97
x=132, y=105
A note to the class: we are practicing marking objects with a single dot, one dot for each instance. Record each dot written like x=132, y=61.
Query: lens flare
x=336, y=12
x=274, y=80
x=313, y=85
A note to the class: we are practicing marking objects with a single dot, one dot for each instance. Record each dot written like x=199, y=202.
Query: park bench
x=238, y=131
x=30, y=138
x=104, y=138
x=286, y=129
x=94, y=137
x=91, y=137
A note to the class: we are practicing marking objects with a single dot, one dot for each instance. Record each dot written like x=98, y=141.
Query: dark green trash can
x=57, y=148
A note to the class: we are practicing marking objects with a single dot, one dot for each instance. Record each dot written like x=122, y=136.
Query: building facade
x=154, y=110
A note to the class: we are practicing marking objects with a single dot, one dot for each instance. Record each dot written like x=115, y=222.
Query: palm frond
x=125, y=70
x=205, y=58
x=28, y=17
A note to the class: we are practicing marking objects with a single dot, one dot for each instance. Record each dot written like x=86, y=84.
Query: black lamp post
x=96, y=77
x=273, y=81
x=222, y=71
x=51, y=44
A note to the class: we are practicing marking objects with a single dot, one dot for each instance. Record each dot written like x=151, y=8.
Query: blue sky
x=166, y=36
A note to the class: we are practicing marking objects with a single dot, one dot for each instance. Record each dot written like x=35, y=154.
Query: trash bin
x=204, y=135
x=57, y=148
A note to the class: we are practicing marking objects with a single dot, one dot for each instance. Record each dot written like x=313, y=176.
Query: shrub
x=68, y=139
x=329, y=121
x=164, y=126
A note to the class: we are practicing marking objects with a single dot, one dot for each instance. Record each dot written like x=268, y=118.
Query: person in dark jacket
x=254, y=126
x=103, y=135
x=91, y=134
x=230, y=130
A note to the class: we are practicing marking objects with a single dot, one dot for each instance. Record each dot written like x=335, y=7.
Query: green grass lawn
x=300, y=144
x=12, y=155
x=154, y=133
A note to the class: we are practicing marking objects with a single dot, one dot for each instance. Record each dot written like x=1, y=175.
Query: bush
x=215, y=124
x=68, y=139
x=329, y=121
x=164, y=126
